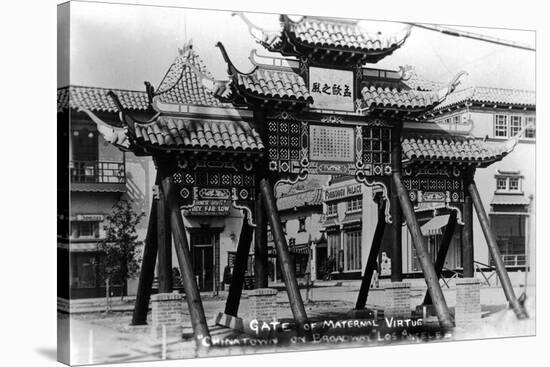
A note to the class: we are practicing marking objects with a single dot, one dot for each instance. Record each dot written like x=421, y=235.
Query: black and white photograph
x=231, y=182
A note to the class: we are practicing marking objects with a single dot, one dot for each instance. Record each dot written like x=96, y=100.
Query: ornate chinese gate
x=321, y=112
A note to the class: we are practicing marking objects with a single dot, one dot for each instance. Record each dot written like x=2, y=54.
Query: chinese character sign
x=331, y=89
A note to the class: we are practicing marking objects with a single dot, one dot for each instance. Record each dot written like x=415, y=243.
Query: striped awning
x=434, y=225
x=301, y=249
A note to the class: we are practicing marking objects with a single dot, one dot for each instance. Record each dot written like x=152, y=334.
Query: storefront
x=343, y=223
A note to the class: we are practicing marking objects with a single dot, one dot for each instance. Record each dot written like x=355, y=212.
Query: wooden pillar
x=261, y=269
x=239, y=269
x=147, y=272
x=192, y=295
x=396, y=213
x=372, y=259
x=287, y=265
x=468, y=232
x=443, y=249
x=419, y=242
x=516, y=305
x=164, y=247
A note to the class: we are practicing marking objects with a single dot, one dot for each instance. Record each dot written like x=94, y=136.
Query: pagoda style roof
x=453, y=148
x=264, y=84
x=406, y=92
x=301, y=199
x=178, y=133
x=276, y=83
x=327, y=40
x=188, y=82
x=381, y=90
x=499, y=97
x=97, y=99
x=182, y=133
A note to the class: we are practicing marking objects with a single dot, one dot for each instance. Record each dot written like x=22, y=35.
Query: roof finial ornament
x=187, y=47
x=261, y=35
x=444, y=92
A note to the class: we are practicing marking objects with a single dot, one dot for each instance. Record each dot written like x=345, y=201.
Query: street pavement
x=97, y=337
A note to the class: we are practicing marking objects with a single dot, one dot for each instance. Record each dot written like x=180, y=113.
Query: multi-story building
x=507, y=189
x=98, y=176
x=507, y=186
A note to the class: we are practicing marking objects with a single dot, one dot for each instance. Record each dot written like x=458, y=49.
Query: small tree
x=119, y=247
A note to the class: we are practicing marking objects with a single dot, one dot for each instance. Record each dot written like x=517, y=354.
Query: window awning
x=302, y=249
x=330, y=222
x=352, y=218
x=509, y=199
x=434, y=225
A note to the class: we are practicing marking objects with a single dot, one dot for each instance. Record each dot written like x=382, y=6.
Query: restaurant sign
x=331, y=89
x=209, y=208
x=343, y=192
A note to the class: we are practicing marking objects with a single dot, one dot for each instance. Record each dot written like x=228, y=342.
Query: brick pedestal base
x=262, y=304
x=397, y=300
x=167, y=309
x=468, y=303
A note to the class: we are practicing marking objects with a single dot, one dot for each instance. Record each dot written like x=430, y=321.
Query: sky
x=121, y=46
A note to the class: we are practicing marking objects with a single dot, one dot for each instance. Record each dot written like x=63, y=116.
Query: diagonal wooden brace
x=287, y=266
x=147, y=272
x=515, y=304
x=442, y=253
x=241, y=262
x=419, y=242
x=371, y=261
x=192, y=295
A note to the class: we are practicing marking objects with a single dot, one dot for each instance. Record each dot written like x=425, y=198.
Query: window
x=530, y=131
x=332, y=209
x=302, y=224
x=355, y=204
x=501, y=125
x=85, y=229
x=456, y=119
x=501, y=183
x=509, y=230
x=353, y=250
x=509, y=184
x=515, y=125
x=513, y=183
x=333, y=241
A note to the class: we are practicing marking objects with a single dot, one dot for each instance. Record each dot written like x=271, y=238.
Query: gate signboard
x=332, y=89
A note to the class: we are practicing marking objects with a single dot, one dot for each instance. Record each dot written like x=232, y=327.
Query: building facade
x=507, y=188
x=99, y=175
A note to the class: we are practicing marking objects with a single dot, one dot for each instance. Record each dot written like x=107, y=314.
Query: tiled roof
x=300, y=199
x=196, y=134
x=323, y=32
x=394, y=98
x=451, y=148
x=183, y=83
x=97, y=100
x=499, y=96
x=275, y=83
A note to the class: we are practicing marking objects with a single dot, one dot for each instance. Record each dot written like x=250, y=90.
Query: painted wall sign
x=343, y=192
x=209, y=208
x=331, y=89
x=331, y=143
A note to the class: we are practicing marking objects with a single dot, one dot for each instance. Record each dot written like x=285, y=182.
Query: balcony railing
x=97, y=172
x=514, y=260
